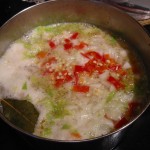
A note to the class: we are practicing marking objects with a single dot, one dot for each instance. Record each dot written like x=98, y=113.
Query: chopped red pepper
x=52, y=44
x=115, y=82
x=76, y=77
x=121, y=123
x=67, y=41
x=84, y=55
x=126, y=117
x=95, y=65
x=132, y=107
x=117, y=124
x=92, y=54
x=68, y=46
x=59, y=82
x=81, y=88
x=128, y=114
x=74, y=35
x=62, y=77
x=46, y=70
x=101, y=69
x=49, y=61
x=103, y=62
x=90, y=66
x=78, y=69
x=106, y=57
x=117, y=68
x=80, y=46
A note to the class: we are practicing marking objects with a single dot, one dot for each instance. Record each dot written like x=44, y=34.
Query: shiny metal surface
x=96, y=13
x=138, y=9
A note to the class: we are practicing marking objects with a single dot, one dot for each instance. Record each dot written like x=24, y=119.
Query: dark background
x=138, y=137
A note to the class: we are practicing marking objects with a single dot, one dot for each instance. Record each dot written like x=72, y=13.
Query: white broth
x=84, y=81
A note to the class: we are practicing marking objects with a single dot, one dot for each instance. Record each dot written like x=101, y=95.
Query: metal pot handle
x=140, y=13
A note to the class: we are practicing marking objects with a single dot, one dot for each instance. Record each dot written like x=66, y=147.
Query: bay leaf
x=21, y=113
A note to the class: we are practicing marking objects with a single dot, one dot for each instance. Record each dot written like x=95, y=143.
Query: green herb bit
x=74, y=131
x=111, y=40
x=24, y=86
x=43, y=83
x=59, y=108
x=46, y=132
x=110, y=96
x=66, y=126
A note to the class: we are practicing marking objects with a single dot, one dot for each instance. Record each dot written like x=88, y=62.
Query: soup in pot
x=84, y=81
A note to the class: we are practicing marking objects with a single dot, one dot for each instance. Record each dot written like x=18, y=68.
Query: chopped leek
x=110, y=96
x=24, y=86
x=66, y=126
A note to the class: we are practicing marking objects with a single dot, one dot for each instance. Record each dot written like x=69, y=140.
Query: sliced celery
x=110, y=96
x=66, y=126
x=24, y=86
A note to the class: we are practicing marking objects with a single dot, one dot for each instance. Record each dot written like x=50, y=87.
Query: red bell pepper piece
x=124, y=120
x=117, y=124
x=92, y=54
x=132, y=107
x=81, y=88
x=63, y=78
x=78, y=69
x=101, y=69
x=67, y=41
x=45, y=70
x=117, y=68
x=90, y=66
x=93, y=65
x=52, y=44
x=74, y=35
x=80, y=46
x=121, y=123
x=115, y=82
x=68, y=46
x=49, y=61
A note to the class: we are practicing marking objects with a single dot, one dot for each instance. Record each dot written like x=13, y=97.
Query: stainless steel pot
x=96, y=13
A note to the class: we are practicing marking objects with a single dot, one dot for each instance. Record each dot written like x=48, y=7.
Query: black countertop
x=137, y=139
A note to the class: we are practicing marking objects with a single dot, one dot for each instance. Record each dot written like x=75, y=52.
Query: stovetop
x=138, y=138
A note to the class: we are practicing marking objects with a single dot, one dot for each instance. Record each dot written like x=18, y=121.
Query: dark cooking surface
x=137, y=139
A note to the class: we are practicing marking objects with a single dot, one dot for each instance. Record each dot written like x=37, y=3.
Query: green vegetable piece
x=59, y=109
x=110, y=96
x=113, y=40
x=27, y=45
x=46, y=132
x=66, y=126
x=43, y=83
x=24, y=86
